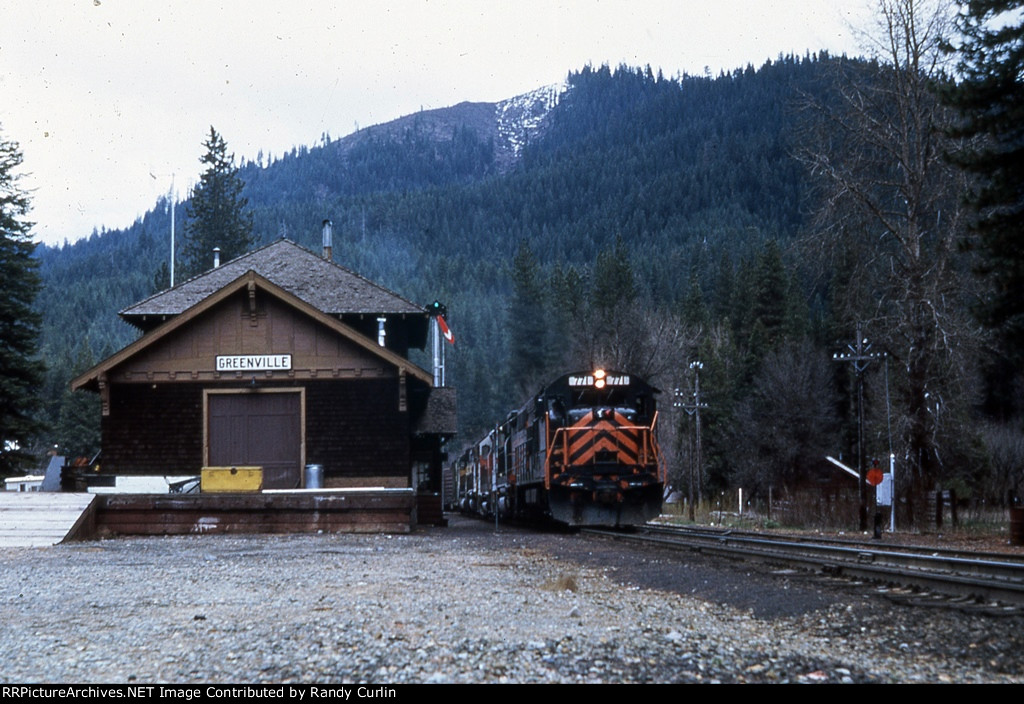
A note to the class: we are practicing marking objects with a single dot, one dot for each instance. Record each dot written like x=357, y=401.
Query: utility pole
x=861, y=356
x=693, y=409
x=172, y=198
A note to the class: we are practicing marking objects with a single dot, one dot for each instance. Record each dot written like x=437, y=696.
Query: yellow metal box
x=230, y=479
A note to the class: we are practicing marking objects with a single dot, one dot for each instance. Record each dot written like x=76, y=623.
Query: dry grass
x=832, y=513
x=563, y=583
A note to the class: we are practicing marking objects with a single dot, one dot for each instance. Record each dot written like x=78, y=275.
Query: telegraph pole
x=693, y=409
x=861, y=356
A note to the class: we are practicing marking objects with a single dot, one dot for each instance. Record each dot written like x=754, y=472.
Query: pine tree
x=21, y=373
x=990, y=98
x=566, y=305
x=771, y=299
x=695, y=310
x=162, y=278
x=614, y=281
x=527, y=323
x=78, y=423
x=218, y=214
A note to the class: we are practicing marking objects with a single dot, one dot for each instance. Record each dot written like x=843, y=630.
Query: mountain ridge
x=510, y=123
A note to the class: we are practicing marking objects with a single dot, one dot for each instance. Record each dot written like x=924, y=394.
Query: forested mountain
x=435, y=204
x=622, y=219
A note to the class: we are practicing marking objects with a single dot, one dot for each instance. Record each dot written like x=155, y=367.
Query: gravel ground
x=462, y=604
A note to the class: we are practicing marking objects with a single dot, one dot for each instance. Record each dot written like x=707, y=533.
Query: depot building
x=278, y=359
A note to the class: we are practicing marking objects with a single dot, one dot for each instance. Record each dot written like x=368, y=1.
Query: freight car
x=582, y=451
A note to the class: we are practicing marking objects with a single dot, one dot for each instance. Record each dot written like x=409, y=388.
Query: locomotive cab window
x=556, y=410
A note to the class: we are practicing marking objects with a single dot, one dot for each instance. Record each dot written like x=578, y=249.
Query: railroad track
x=982, y=577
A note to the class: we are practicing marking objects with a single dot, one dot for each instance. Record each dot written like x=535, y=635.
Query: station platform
x=41, y=519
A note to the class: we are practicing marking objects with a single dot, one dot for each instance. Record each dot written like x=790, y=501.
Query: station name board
x=253, y=362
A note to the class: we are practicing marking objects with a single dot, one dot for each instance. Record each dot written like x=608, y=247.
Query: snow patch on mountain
x=521, y=119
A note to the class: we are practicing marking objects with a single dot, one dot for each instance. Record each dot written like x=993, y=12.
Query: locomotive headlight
x=599, y=378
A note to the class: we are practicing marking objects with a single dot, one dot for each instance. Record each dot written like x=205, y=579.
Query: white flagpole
x=172, y=230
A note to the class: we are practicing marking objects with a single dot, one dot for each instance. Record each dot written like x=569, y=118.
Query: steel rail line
x=852, y=541
x=990, y=577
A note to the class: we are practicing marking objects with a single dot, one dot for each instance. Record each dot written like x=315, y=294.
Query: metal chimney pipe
x=216, y=257
x=328, y=228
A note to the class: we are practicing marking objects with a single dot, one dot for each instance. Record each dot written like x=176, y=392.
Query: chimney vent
x=328, y=228
x=216, y=257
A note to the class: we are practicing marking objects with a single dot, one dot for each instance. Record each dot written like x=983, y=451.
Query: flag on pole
x=443, y=327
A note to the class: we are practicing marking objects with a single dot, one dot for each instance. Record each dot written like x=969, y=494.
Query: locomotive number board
x=588, y=380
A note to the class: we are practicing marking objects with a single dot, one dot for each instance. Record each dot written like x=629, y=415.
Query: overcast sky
x=111, y=98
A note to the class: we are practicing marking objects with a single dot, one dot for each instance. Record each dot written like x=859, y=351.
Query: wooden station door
x=258, y=429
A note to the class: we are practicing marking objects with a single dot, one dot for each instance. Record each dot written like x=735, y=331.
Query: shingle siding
x=154, y=431
x=354, y=428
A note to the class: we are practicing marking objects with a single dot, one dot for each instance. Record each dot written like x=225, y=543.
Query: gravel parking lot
x=461, y=604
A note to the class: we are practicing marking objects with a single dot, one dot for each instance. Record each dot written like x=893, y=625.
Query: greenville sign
x=253, y=362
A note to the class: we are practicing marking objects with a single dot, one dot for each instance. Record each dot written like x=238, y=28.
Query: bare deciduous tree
x=787, y=423
x=1005, y=445
x=891, y=203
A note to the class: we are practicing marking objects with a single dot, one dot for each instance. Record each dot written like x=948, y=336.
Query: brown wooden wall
x=230, y=329
x=353, y=427
x=153, y=430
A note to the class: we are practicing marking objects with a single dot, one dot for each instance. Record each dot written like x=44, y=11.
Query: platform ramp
x=38, y=519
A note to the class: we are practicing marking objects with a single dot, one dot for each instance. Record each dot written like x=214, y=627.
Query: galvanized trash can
x=314, y=476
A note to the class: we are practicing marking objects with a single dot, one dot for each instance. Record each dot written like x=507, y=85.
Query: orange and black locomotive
x=582, y=451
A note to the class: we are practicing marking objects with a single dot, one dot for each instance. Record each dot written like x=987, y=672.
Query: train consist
x=582, y=451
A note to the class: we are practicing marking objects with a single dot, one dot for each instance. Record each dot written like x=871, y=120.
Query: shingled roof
x=330, y=288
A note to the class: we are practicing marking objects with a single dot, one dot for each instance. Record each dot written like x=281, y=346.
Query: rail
x=987, y=576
